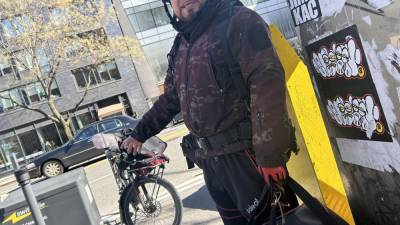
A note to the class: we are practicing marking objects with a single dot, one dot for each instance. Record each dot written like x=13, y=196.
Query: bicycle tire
x=130, y=195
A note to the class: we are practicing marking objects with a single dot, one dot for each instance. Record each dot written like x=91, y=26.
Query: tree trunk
x=67, y=129
x=65, y=123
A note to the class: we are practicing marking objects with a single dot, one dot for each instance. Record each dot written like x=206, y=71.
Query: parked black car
x=80, y=149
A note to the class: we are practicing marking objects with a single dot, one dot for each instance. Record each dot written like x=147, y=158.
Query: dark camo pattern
x=203, y=91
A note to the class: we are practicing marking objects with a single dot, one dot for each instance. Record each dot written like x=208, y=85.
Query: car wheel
x=52, y=168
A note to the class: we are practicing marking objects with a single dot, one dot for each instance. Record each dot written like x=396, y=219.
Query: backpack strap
x=172, y=54
x=234, y=67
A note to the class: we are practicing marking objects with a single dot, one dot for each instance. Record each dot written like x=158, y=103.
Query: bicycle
x=145, y=196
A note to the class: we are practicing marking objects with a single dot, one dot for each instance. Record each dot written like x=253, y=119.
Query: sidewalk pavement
x=111, y=219
x=7, y=180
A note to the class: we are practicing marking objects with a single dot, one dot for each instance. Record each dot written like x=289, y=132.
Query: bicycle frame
x=130, y=175
x=139, y=178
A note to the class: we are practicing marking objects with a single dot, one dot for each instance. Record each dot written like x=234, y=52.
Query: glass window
x=86, y=133
x=102, y=70
x=160, y=17
x=23, y=61
x=58, y=16
x=101, y=73
x=30, y=142
x=48, y=136
x=40, y=91
x=20, y=23
x=5, y=67
x=42, y=61
x=54, y=89
x=90, y=76
x=62, y=133
x=80, y=79
x=6, y=103
x=84, y=119
x=15, y=96
x=113, y=70
x=145, y=20
x=25, y=96
x=8, y=28
x=33, y=94
x=97, y=75
x=142, y=7
x=247, y=2
x=134, y=22
x=10, y=145
x=108, y=125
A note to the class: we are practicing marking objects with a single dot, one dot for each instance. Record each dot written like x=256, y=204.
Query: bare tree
x=38, y=37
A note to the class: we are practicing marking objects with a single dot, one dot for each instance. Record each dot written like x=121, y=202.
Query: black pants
x=236, y=187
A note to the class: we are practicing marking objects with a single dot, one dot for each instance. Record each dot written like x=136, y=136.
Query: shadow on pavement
x=200, y=199
x=210, y=221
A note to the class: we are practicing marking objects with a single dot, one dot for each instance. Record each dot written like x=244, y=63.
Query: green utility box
x=63, y=200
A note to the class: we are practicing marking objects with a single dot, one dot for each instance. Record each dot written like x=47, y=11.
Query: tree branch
x=32, y=109
x=84, y=94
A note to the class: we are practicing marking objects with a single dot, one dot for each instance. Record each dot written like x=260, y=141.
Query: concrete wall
x=370, y=169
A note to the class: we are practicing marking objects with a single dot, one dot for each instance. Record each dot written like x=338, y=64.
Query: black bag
x=189, y=147
x=312, y=212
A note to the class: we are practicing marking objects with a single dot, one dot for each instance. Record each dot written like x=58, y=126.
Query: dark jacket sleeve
x=162, y=112
x=261, y=69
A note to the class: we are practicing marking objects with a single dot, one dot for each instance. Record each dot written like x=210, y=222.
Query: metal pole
x=24, y=181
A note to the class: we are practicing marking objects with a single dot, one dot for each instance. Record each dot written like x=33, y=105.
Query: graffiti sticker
x=361, y=113
x=345, y=85
x=304, y=10
x=339, y=60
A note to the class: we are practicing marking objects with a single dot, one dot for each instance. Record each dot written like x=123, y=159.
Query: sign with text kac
x=304, y=10
x=346, y=87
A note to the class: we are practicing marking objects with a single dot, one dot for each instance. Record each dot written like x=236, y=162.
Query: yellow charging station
x=310, y=128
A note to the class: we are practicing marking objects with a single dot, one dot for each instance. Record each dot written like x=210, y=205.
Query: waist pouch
x=190, y=147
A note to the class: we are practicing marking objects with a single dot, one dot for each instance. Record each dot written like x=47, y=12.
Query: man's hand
x=277, y=173
x=131, y=145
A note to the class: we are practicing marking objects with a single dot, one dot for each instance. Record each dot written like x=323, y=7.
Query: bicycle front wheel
x=152, y=200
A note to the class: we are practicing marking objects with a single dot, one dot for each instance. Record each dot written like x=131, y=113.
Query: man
x=242, y=146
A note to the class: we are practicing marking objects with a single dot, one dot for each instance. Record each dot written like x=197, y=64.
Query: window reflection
x=10, y=145
x=84, y=119
x=143, y=18
x=30, y=142
x=48, y=136
x=6, y=103
x=96, y=75
x=25, y=95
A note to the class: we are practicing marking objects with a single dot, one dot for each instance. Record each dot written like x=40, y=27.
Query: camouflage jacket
x=202, y=90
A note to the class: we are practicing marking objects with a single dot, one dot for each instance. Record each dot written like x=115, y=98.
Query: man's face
x=185, y=10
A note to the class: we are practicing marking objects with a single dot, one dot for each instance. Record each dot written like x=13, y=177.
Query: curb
x=7, y=180
x=174, y=133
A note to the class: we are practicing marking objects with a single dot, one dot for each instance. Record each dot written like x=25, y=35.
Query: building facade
x=114, y=82
x=156, y=35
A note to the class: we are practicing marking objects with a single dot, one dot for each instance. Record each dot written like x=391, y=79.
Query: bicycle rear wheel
x=152, y=200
